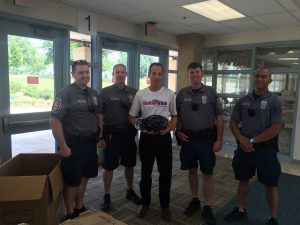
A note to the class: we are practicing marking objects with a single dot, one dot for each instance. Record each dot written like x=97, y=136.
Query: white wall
x=64, y=14
x=270, y=35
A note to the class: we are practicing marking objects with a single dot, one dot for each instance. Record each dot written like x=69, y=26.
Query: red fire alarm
x=150, y=29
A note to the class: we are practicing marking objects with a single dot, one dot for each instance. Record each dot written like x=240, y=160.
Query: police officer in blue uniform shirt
x=256, y=121
x=200, y=131
x=117, y=138
x=74, y=123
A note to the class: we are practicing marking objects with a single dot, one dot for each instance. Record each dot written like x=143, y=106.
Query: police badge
x=263, y=104
x=204, y=99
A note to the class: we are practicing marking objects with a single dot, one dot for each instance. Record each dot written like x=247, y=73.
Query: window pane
x=233, y=83
x=284, y=57
x=284, y=84
x=207, y=79
x=145, y=62
x=228, y=104
x=80, y=49
x=31, y=74
x=33, y=142
x=234, y=60
x=173, y=60
x=172, y=81
x=288, y=113
x=207, y=61
x=285, y=140
x=109, y=59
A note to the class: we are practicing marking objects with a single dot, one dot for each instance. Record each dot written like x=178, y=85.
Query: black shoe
x=132, y=196
x=193, y=206
x=81, y=210
x=208, y=216
x=105, y=205
x=71, y=216
x=236, y=215
x=142, y=211
x=272, y=221
x=166, y=214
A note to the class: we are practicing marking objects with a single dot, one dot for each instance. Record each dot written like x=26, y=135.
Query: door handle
x=5, y=123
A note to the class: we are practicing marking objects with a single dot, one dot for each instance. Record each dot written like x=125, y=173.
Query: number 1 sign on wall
x=87, y=22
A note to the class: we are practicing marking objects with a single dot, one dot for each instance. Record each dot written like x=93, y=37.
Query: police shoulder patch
x=56, y=105
x=95, y=100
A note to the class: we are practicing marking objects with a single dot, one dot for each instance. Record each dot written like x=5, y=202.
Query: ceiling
x=172, y=18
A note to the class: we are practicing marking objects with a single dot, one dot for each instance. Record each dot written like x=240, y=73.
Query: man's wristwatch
x=252, y=141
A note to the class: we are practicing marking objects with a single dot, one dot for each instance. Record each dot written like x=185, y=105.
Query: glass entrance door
x=148, y=55
x=145, y=62
x=113, y=52
x=30, y=61
x=31, y=74
x=109, y=59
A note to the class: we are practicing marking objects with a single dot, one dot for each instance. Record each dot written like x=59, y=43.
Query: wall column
x=190, y=46
x=296, y=150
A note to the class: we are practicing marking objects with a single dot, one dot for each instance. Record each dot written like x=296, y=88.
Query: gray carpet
x=180, y=194
x=257, y=208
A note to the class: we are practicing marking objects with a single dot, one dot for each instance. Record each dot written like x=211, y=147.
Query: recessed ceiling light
x=288, y=59
x=214, y=10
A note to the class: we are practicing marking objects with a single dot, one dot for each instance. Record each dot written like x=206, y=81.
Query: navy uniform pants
x=157, y=147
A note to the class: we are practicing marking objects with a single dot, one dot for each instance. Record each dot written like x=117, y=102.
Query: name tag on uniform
x=246, y=103
x=187, y=99
x=81, y=101
x=114, y=98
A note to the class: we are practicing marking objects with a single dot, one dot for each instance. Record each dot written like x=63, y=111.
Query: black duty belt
x=207, y=133
x=115, y=130
x=80, y=138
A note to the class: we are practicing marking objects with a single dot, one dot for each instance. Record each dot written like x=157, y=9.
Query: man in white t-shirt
x=159, y=101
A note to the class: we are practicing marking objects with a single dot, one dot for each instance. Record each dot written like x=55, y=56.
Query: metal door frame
x=28, y=122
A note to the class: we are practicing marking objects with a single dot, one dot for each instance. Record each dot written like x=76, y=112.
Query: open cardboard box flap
x=24, y=177
x=56, y=182
x=19, y=188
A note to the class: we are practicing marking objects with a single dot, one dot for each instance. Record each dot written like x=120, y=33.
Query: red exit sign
x=32, y=80
x=27, y=3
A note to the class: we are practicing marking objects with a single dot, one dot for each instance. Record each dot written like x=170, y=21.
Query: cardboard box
x=31, y=190
x=94, y=218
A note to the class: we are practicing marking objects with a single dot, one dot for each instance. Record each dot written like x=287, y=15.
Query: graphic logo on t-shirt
x=155, y=102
